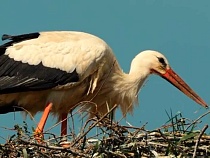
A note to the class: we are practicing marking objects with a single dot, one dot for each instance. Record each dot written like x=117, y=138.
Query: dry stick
x=93, y=125
x=53, y=148
x=208, y=112
x=28, y=114
x=56, y=124
x=42, y=154
x=54, y=137
x=6, y=128
x=115, y=154
x=3, y=138
x=167, y=139
x=86, y=123
x=198, y=140
x=133, y=127
x=83, y=109
x=73, y=128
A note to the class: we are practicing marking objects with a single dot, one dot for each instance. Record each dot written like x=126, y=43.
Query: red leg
x=64, y=124
x=38, y=132
x=64, y=142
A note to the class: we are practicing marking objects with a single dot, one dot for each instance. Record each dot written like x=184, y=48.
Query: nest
x=177, y=138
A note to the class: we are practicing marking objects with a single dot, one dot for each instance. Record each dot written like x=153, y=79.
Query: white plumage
x=60, y=50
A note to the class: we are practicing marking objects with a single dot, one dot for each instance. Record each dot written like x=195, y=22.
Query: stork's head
x=154, y=62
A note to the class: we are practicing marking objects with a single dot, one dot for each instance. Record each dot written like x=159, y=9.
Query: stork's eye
x=162, y=61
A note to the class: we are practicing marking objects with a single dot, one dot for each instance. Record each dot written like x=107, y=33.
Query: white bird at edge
x=56, y=71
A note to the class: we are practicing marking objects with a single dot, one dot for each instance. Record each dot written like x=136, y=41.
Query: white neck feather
x=128, y=86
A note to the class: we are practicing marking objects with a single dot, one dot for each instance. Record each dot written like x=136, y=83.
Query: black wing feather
x=16, y=76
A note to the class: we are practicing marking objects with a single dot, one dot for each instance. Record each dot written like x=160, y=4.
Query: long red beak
x=174, y=79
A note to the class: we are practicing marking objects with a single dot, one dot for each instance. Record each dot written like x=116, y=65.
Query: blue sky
x=178, y=29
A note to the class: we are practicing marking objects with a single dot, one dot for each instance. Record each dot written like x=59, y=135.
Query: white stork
x=64, y=68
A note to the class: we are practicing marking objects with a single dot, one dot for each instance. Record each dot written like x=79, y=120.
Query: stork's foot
x=65, y=144
x=39, y=130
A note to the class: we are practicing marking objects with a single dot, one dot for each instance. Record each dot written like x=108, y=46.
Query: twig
x=167, y=140
x=54, y=148
x=115, y=154
x=93, y=125
x=56, y=124
x=86, y=123
x=28, y=114
x=208, y=112
x=198, y=140
x=45, y=155
x=73, y=128
x=6, y=128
